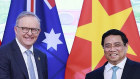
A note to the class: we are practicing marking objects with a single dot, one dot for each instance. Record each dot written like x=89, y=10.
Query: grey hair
x=24, y=14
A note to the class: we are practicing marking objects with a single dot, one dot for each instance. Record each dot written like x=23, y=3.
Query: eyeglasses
x=115, y=45
x=26, y=30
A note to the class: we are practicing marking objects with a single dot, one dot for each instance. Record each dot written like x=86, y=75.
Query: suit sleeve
x=4, y=66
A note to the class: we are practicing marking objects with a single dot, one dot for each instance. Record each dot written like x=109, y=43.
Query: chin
x=28, y=44
x=113, y=59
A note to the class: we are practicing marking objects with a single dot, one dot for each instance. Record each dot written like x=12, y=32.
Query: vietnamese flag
x=97, y=17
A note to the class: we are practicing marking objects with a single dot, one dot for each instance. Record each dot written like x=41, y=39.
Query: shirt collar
x=22, y=48
x=120, y=65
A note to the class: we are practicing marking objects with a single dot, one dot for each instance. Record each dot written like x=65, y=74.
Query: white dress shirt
x=108, y=69
x=23, y=49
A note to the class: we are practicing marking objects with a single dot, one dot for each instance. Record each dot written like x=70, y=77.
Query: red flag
x=97, y=17
x=0, y=42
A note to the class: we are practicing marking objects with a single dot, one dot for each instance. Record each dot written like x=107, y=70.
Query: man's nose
x=29, y=32
x=112, y=48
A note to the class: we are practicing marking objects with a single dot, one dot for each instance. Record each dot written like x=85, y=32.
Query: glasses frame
x=26, y=30
x=116, y=46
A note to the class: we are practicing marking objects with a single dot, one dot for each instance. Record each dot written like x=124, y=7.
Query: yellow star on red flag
x=97, y=17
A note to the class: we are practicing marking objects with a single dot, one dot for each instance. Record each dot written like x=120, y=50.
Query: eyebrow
x=111, y=43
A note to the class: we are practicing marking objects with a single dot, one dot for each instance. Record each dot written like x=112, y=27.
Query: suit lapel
x=19, y=58
x=102, y=72
x=127, y=70
x=38, y=64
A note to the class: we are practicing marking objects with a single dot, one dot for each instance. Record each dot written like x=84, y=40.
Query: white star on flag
x=52, y=40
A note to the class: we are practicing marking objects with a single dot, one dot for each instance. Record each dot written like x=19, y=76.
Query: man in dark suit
x=115, y=45
x=19, y=59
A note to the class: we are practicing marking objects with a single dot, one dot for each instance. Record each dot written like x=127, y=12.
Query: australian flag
x=51, y=39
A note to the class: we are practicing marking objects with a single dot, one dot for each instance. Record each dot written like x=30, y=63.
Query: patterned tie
x=114, y=68
x=30, y=65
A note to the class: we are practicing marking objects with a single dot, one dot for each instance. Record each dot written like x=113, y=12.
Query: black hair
x=114, y=32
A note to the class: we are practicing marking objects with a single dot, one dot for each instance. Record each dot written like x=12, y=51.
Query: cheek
x=106, y=53
x=122, y=52
x=36, y=36
x=19, y=36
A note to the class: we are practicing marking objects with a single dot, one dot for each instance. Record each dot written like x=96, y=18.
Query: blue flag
x=51, y=39
x=16, y=7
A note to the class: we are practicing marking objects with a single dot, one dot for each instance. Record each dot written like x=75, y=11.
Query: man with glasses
x=19, y=59
x=115, y=45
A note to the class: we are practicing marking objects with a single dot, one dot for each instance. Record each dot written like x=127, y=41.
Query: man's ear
x=126, y=47
x=15, y=29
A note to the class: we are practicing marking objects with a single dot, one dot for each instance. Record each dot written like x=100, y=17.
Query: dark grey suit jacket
x=12, y=65
x=131, y=71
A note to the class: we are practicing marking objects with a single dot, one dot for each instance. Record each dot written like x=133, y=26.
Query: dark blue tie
x=114, y=68
x=30, y=65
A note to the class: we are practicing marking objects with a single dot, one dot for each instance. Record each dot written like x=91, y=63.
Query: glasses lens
x=26, y=29
x=34, y=30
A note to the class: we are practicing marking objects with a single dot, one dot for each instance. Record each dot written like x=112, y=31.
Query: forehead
x=25, y=18
x=28, y=21
x=113, y=39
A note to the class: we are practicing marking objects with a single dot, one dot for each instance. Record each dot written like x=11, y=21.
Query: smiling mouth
x=113, y=55
x=29, y=37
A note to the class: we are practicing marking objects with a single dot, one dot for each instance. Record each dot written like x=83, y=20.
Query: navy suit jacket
x=131, y=71
x=12, y=65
